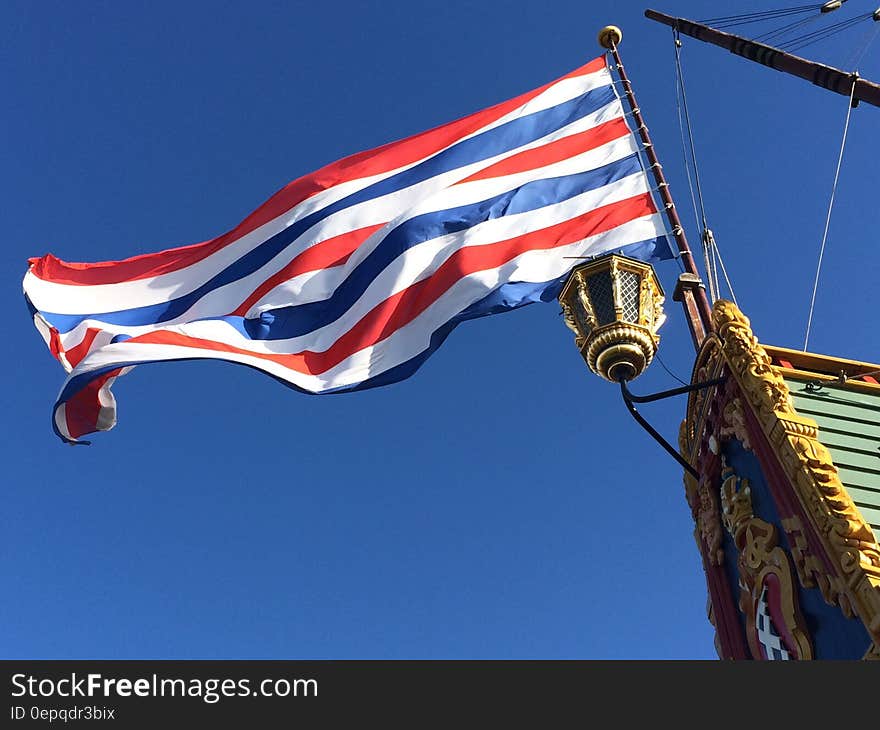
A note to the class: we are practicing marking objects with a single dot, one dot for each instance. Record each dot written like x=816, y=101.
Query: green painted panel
x=844, y=456
x=862, y=495
x=866, y=450
x=857, y=399
x=849, y=427
x=867, y=409
x=834, y=391
x=841, y=425
x=871, y=515
x=867, y=445
x=856, y=477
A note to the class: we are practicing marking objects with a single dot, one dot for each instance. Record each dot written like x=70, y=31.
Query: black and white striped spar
x=819, y=74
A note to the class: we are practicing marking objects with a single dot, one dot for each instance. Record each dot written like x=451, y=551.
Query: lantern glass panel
x=630, y=283
x=602, y=296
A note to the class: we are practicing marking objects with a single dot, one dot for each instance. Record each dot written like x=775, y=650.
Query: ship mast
x=827, y=77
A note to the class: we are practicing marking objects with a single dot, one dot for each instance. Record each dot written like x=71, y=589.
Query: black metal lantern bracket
x=629, y=398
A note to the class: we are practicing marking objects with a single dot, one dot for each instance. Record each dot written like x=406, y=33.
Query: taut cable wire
x=687, y=166
x=849, y=109
x=756, y=17
x=711, y=253
x=700, y=217
x=690, y=132
x=796, y=44
x=867, y=39
x=724, y=271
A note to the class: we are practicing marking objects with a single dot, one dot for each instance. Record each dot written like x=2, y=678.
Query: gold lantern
x=614, y=306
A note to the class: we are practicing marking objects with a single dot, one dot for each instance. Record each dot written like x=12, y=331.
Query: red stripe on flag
x=363, y=164
x=83, y=408
x=55, y=346
x=401, y=308
x=79, y=351
x=561, y=149
x=332, y=252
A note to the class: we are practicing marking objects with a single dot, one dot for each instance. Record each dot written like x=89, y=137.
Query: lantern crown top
x=611, y=260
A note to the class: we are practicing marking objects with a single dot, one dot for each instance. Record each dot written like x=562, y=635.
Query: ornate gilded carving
x=708, y=366
x=709, y=522
x=710, y=609
x=736, y=501
x=686, y=435
x=614, y=305
x=808, y=466
x=568, y=315
x=651, y=312
x=608, y=346
x=735, y=423
x=702, y=497
x=810, y=571
x=690, y=484
x=704, y=505
x=762, y=565
x=873, y=653
x=746, y=356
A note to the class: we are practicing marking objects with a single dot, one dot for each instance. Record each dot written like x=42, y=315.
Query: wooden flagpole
x=690, y=290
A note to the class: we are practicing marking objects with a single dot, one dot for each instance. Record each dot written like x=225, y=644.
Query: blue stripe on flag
x=296, y=320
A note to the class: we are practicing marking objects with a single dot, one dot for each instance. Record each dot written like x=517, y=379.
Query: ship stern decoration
x=785, y=496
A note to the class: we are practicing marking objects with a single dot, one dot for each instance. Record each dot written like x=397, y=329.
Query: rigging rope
x=657, y=358
x=681, y=98
x=711, y=252
x=815, y=12
x=687, y=118
x=796, y=44
x=729, y=21
x=785, y=29
x=763, y=13
x=849, y=109
x=724, y=271
x=867, y=39
x=687, y=167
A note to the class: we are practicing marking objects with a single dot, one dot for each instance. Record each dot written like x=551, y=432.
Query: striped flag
x=351, y=276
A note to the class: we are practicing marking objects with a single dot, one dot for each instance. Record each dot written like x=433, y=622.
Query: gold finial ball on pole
x=610, y=36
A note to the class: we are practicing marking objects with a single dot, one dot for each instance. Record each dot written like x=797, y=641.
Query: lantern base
x=620, y=352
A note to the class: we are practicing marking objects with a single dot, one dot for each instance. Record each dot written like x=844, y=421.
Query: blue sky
x=501, y=503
